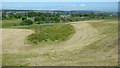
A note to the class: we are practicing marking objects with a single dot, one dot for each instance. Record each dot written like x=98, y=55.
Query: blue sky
x=95, y=6
x=60, y=0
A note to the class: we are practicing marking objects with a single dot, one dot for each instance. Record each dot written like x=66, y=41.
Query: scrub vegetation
x=49, y=33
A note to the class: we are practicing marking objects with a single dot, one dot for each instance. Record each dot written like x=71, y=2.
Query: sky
x=94, y=6
x=60, y=0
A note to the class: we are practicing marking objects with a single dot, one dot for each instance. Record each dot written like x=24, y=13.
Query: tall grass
x=10, y=23
x=49, y=33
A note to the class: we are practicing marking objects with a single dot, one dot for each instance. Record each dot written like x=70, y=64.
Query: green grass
x=15, y=59
x=49, y=33
x=10, y=23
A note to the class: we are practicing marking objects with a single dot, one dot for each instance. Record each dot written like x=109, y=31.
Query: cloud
x=81, y=5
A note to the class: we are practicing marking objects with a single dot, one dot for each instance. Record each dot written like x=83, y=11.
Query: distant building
x=65, y=15
x=17, y=12
x=111, y=15
x=7, y=16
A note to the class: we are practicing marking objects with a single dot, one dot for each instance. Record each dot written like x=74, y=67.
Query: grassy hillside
x=10, y=23
x=93, y=44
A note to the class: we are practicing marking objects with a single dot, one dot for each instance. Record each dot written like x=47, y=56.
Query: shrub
x=11, y=15
x=41, y=22
x=18, y=15
x=24, y=17
x=37, y=18
x=27, y=22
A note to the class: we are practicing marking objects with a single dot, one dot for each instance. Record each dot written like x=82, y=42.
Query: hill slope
x=94, y=43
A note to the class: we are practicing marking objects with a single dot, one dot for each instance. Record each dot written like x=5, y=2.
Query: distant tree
x=85, y=14
x=80, y=15
x=47, y=14
x=11, y=15
x=37, y=18
x=58, y=14
x=57, y=19
x=40, y=22
x=70, y=19
x=24, y=17
x=47, y=20
x=43, y=18
x=40, y=14
x=32, y=14
x=4, y=15
x=18, y=15
x=74, y=15
x=27, y=22
x=52, y=19
x=54, y=14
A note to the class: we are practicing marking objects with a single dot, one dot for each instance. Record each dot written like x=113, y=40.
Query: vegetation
x=11, y=15
x=4, y=15
x=94, y=43
x=27, y=22
x=50, y=33
x=10, y=23
x=18, y=15
x=24, y=17
x=109, y=35
x=41, y=22
x=37, y=18
x=42, y=18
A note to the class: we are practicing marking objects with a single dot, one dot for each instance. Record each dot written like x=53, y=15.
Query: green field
x=94, y=43
x=10, y=23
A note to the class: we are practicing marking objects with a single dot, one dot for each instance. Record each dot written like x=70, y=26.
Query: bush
x=11, y=15
x=41, y=22
x=18, y=15
x=24, y=17
x=27, y=22
x=37, y=18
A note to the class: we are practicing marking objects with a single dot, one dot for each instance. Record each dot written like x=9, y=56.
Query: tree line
x=42, y=18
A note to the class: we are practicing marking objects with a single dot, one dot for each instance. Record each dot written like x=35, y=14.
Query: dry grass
x=0, y=47
x=90, y=45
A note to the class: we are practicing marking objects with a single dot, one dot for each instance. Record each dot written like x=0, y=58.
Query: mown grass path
x=83, y=48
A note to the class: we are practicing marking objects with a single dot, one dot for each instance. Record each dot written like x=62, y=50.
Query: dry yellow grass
x=13, y=39
x=0, y=47
x=73, y=52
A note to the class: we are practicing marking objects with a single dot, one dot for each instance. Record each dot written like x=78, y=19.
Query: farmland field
x=94, y=43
